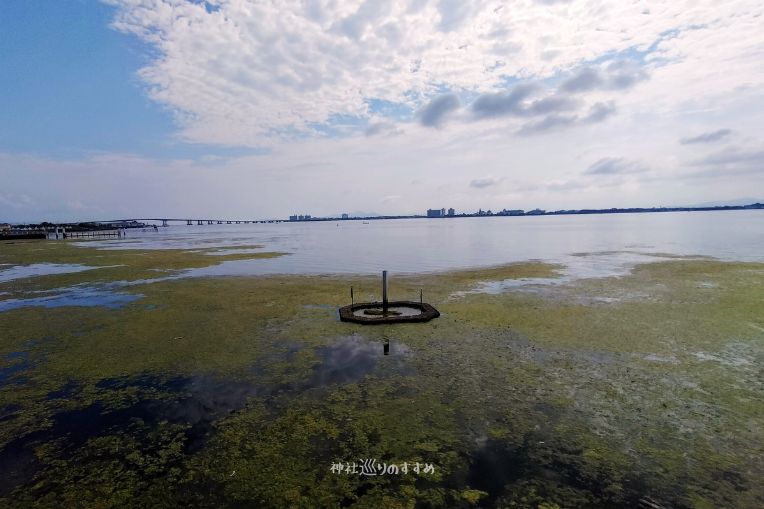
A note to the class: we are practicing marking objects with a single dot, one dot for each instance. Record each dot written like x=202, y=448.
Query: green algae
x=112, y=264
x=579, y=401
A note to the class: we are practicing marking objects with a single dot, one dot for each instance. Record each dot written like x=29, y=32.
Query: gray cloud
x=485, y=182
x=547, y=124
x=599, y=112
x=617, y=75
x=436, y=111
x=515, y=103
x=623, y=74
x=556, y=108
x=503, y=103
x=709, y=137
x=586, y=79
x=552, y=104
x=560, y=108
x=614, y=166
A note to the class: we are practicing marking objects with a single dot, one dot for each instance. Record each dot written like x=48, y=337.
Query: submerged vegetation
x=239, y=392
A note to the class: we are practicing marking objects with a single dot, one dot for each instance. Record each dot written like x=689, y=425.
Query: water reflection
x=18, y=362
x=75, y=296
x=192, y=401
x=556, y=473
x=350, y=359
x=137, y=405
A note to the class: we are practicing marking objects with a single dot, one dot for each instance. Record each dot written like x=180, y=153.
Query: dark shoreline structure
x=73, y=230
x=29, y=230
x=539, y=212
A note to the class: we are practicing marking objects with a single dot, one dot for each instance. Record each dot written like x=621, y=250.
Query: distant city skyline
x=238, y=108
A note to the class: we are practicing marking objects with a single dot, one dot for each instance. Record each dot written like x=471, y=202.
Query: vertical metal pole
x=384, y=291
x=352, y=302
x=420, y=296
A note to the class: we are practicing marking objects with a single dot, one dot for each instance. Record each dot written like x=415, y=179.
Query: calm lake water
x=589, y=245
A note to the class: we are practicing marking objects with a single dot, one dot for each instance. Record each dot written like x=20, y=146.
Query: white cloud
x=590, y=80
x=247, y=72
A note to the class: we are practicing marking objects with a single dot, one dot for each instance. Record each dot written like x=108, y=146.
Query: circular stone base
x=348, y=313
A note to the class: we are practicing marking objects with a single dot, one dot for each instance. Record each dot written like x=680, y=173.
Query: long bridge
x=166, y=220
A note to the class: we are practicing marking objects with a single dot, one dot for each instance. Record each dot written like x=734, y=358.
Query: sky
x=255, y=109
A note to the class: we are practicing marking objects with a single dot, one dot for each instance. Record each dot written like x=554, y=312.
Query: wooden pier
x=93, y=234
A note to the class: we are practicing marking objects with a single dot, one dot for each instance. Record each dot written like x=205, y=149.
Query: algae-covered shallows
x=244, y=391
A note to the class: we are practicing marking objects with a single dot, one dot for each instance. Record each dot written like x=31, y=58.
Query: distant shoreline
x=538, y=212
x=138, y=222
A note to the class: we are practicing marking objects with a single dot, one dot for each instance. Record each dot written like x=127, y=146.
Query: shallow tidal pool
x=643, y=389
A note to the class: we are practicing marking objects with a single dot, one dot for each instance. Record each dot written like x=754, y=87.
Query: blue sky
x=70, y=86
x=246, y=108
x=69, y=83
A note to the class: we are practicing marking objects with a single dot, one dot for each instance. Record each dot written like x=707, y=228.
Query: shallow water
x=350, y=359
x=40, y=269
x=73, y=296
x=195, y=402
x=17, y=363
x=394, y=310
x=610, y=243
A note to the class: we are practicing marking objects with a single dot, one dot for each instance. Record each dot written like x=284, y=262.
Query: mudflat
x=132, y=385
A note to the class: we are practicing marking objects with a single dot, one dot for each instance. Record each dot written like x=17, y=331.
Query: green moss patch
x=601, y=392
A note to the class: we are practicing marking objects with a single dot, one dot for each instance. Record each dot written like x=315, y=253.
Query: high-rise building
x=345, y=216
x=451, y=212
x=435, y=212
